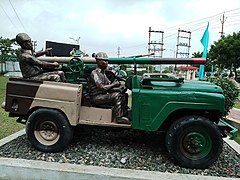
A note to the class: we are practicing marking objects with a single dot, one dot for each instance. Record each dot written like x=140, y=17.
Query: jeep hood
x=193, y=86
x=201, y=86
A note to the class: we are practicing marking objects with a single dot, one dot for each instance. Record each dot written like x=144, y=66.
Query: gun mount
x=76, y=68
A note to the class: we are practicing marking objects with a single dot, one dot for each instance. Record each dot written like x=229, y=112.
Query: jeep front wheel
x=48, y=130
x=194, y=142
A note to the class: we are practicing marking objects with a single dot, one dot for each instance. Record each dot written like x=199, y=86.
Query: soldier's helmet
x=101, y=56
x=22, y=37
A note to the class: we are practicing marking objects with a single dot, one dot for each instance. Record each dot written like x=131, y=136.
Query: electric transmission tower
x=183, y=43
x=155, y=44
x=118, y=52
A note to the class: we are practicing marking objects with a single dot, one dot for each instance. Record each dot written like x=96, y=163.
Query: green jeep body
x=188, y=112
x=154, y=101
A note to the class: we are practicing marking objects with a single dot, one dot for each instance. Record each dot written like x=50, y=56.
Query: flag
x=204, y=41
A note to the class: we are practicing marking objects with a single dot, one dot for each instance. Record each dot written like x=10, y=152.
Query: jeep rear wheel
x=48, y=130
x=194, y=142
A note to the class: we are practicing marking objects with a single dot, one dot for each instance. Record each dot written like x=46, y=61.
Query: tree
x=197, y=54
x=230, y=91
x=225, y=53
x=208, y=65
x=7, y=52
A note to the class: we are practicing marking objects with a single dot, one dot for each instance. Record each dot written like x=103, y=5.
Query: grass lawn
x=7, y=125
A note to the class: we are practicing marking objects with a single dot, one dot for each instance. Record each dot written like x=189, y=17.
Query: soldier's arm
x=41, y=53
x=100, y=84
x=34, y=61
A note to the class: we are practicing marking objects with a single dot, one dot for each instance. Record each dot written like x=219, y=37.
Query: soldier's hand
x=48, y=49
x=56, y=64
x=116, y=84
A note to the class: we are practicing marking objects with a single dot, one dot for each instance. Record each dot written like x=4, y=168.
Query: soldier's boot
x=122, y=120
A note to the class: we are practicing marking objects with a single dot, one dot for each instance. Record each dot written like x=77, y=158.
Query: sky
x=105, y=25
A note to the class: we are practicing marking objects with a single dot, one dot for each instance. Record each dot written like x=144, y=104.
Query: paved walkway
x=234, y=115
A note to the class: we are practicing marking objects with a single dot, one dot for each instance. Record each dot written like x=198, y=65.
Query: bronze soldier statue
x=31, y=67
x=100, y=90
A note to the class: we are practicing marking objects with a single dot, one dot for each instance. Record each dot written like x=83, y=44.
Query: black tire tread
x=61, y=120
x=171, y=144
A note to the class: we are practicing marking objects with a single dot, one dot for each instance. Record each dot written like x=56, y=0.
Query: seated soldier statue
x=31, y=67
x=101, y=90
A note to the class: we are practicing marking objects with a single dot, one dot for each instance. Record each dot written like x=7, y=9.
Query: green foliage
x=168, y=69
x=6, y=49
x=230, y=91
x=208, y=65
x=197, y=54
x=237, y=104
x=225, y=53
x=7, y=52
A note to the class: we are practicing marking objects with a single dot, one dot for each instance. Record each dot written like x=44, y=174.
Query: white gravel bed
x=123, y=148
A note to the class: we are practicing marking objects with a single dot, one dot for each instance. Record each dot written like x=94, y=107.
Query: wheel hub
x=194, y=143
x=48, y=131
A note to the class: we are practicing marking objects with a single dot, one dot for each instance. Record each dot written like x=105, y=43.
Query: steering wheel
x=112, y=77
x=76, y=65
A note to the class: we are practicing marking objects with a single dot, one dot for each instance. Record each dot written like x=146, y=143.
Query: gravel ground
x=121, y=149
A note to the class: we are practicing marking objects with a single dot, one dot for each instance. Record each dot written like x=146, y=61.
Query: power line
x=238, y=20
x=8, y=17
x=212, y=19
x=202, y=19
x=233, y=24
x=229, y=14
x=192, y=21
x=17, y=15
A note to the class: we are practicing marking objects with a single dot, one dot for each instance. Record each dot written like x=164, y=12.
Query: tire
x=48, y=130
x=194, y=142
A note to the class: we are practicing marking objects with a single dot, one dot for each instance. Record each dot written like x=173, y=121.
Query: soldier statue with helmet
x=31, y=67
x=102, y=93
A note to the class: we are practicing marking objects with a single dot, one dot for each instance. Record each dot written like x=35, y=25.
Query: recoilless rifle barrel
x=129, y=60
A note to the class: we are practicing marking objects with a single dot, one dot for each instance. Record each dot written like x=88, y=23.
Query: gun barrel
x=157, y=60
x=129, y=60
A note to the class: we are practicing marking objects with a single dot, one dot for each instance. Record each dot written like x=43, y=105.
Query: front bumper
x=227, y=129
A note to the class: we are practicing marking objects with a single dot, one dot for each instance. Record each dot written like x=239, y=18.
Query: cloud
x=107, y=24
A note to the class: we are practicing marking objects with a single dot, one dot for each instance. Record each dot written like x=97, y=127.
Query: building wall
x=9, y=66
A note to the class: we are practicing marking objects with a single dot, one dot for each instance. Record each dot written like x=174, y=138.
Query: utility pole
x=118, y=52
x=223, y=19
x=34, y=45
x=155, y=46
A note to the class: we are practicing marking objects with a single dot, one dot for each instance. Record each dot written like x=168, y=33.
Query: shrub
x=230, y=91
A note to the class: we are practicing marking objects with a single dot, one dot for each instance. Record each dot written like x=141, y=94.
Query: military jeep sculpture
x=188, y=111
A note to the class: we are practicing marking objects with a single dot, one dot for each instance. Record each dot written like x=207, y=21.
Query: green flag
x=204, y=41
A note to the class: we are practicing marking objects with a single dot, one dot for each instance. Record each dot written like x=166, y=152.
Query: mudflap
x=226, y=129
